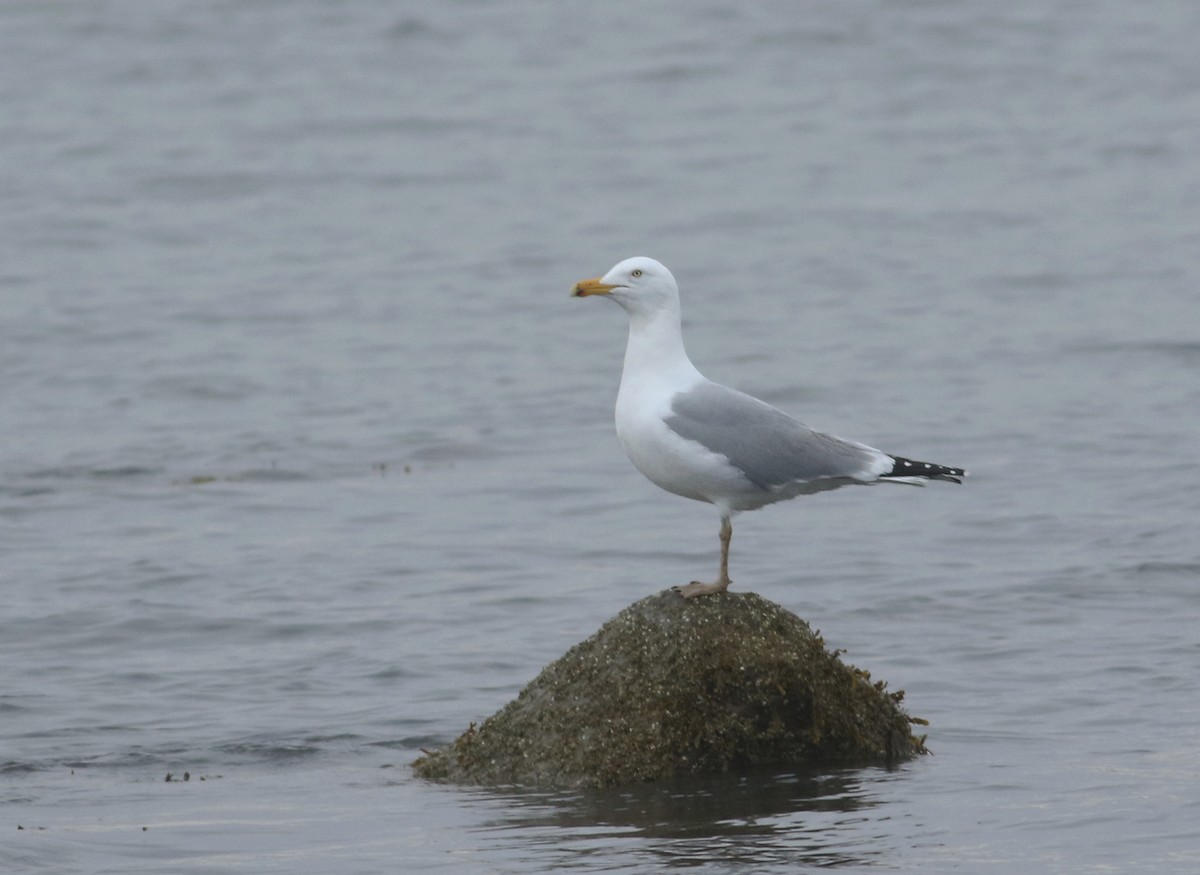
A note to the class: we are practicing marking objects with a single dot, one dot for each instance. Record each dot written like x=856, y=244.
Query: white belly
x=681, y=466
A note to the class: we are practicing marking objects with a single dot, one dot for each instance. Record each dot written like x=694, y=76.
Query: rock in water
x=674, y=686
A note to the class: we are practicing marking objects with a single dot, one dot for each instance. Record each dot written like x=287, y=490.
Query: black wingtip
x=927, y=470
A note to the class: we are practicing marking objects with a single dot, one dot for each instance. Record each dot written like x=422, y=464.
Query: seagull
x=705, y=441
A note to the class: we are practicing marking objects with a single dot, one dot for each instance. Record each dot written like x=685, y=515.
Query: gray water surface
x=308, y=457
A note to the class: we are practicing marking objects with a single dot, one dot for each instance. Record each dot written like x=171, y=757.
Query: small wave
x=81, y=472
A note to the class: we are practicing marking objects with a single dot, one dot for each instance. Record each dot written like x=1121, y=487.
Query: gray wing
x=767, y=445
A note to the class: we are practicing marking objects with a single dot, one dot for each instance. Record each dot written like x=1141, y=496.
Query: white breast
x=671, y=462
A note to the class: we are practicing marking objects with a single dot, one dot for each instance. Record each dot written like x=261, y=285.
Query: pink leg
x=722, y=582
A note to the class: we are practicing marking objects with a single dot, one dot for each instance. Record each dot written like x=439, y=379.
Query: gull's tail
x=911, y=471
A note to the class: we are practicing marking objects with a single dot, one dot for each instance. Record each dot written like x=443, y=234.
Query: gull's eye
x=637, y=271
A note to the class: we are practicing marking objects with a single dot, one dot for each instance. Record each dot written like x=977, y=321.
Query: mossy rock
x=674, y=686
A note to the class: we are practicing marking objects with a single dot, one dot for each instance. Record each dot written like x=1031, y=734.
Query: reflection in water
x=765, y=819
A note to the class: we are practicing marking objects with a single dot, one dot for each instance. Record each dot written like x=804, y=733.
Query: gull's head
x=640, y=285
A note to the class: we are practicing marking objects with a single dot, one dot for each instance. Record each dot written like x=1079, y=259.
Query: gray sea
x=307, y=457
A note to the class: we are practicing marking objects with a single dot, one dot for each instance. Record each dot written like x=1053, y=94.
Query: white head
x=642, y=286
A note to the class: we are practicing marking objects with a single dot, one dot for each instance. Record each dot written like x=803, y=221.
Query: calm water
x=308, y=457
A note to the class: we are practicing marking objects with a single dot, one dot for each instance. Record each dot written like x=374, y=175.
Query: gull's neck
x=655, y=350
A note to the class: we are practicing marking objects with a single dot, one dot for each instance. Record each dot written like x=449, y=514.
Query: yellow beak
x=583, y=288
